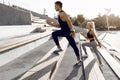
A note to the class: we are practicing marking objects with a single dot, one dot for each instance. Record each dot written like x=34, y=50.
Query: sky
x=89, y=8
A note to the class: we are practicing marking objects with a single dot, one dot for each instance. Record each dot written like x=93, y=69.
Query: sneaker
x=78, y=62
x=85, y=56
x=57, y=50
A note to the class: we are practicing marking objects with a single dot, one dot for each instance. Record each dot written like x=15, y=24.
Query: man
x=66, y=30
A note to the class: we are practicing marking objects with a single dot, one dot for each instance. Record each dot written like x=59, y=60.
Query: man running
x=66, y=30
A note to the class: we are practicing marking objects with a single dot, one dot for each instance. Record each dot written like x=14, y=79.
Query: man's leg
x=55, y=36
x=74, y=46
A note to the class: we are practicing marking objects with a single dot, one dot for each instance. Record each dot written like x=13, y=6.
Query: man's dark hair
x=59, y=3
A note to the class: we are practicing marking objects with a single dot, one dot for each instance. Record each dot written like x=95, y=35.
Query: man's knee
x=53, y=34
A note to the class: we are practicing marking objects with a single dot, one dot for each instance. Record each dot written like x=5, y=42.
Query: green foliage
x=75, y=23
x=80, y=19
x=100, y=21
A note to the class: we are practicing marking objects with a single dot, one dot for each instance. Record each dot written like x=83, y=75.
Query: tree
x=100, y=22
x=75, y=23
x=84, y=23
x=114, y=20
x=80, y=19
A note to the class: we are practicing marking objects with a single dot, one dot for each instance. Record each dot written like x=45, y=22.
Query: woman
x=93, y=40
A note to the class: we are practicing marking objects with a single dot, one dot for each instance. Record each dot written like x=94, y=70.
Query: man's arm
x=52, y=24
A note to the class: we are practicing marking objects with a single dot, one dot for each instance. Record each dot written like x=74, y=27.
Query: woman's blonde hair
x=92, y=25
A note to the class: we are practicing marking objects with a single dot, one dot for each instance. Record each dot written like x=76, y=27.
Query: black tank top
x=89, y=35
x=63, y=24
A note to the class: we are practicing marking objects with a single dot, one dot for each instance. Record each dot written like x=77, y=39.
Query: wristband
x=71, y=31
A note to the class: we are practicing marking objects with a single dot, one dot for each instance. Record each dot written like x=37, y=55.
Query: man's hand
x=72, y=34
x=49, y=22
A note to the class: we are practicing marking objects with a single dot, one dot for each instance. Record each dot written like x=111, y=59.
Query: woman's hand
x=99, y=44
x=81, y=33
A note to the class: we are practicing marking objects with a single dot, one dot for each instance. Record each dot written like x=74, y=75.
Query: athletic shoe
x=57, y=50
x=79, y=62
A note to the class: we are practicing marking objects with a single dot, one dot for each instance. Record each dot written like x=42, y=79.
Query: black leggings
x=61, y=33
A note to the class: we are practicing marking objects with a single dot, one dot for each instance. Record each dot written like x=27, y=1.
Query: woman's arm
x=92, y=32
x=84, y=35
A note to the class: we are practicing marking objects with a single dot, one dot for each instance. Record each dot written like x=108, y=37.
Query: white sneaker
x=79, y=62
x=57, y=50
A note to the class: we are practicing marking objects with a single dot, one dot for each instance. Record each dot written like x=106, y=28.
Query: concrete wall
x=13, y=16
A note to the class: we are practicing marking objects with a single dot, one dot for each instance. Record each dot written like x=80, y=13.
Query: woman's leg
x=84, y=45
x=94, y=45
x=97, y=53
